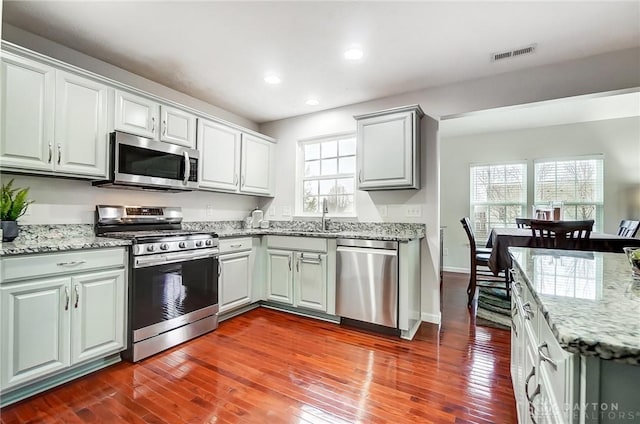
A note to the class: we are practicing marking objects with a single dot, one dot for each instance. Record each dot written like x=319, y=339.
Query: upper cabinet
x=53, y=121
x=388, y=144
x=233, y=160
x=144, y=117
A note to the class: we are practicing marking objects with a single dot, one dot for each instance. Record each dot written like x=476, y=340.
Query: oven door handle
x=145, y=261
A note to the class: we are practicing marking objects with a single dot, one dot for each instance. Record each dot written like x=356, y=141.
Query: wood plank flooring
x=272, y=367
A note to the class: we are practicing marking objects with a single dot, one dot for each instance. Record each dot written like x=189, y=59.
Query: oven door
x=165, y=296
x=140, y=161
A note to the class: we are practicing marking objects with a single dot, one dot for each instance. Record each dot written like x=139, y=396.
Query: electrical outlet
x=445, y=251
x=414, y=211
x=286, y=210
x=210, y=212
x=382, y=211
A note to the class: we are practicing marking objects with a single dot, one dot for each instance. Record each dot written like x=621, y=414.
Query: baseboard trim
x=432, y=318
x=456, y=269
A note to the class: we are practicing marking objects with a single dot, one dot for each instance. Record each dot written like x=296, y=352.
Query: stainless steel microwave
x=144, y=163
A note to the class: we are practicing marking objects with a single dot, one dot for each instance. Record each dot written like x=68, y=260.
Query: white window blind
x=498, y=196
x=575, y=183
x=327, y=170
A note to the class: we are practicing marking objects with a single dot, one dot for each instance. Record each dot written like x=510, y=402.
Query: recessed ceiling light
x=353, y=53
x=272, y=79
x=312, y=102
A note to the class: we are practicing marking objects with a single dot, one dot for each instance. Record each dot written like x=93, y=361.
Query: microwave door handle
x=187, y=168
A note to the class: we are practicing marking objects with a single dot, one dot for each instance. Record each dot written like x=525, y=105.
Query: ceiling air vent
x=513, y=53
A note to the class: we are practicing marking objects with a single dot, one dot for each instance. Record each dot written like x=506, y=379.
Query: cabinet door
x=280, y=276
x=97, y=324
x=81, y=126
x=26, y=126
x=235, y=280
x=385, y=151
x=310, y=285
x=257, y=156
x=34, y=339
x=219, y=148
x=178, y=127
x=136, y=115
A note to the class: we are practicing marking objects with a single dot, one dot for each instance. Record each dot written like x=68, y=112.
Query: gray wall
x=617, y=139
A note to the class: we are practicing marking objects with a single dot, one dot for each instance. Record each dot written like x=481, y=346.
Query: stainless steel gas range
x=173, y=277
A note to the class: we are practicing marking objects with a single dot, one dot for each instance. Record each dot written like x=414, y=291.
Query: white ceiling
x=219, y=52
x=541, y=114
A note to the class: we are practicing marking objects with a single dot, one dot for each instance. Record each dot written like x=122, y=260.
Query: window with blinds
x=327, y=169
x=498, y=196
x=576, y=184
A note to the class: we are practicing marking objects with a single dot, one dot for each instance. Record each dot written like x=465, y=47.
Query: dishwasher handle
x=372, y=244
x=367, y=251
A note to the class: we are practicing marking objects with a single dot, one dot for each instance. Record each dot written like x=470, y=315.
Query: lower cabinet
x=235, y=273
x=297, y=272
x=52, y=323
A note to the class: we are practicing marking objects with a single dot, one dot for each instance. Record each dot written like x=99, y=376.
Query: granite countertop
x=589, y=299
x=53, y=238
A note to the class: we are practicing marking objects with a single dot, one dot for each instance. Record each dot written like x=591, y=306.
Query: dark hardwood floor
x=272, y=367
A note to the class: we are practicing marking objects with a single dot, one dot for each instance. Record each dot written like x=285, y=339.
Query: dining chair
x=523, y=222
x=480, y=274
x=559, y=234
x=628, y=228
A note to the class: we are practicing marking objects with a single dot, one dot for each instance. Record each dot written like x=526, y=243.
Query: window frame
x=599, y=204
x=524, y=204
x=300, y=177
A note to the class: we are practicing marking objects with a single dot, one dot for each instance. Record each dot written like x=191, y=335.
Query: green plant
x=13, y=202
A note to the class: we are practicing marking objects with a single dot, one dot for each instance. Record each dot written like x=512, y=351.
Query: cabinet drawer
x=308, y=244
x=32, y=266
x=235, y=244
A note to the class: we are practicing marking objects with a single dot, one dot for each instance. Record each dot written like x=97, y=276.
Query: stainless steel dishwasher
x=367, y=281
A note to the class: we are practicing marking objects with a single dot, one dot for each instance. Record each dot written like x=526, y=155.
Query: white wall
x=617, y=139
x=607, y=72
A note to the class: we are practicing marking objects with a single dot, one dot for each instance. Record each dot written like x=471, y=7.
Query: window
x=327, y=171
x=498, y=196
x=577, y=184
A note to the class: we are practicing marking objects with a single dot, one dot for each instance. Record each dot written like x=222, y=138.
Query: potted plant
x=13, y=204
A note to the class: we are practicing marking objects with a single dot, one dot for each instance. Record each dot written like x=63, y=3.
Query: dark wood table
x=501, y=238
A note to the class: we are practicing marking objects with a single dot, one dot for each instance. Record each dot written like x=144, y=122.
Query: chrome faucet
x=325, y=210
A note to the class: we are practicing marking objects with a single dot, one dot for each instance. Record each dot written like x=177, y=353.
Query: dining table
x=500, y=239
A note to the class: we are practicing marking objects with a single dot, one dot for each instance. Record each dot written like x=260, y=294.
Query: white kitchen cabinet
x=81, y=136
x=219, y=147
x=234, y=161
x=235, y=273
x=136, y=114
x=310, y=281
x=280, y=276
x=27, y=96
x=58, y=314
x=388, y=146
x=257, y=164
x=177, y=126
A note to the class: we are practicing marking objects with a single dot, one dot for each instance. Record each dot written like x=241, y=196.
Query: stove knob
x=150, y=248
x=182, y=245
x=208, y=242
x=164, y=246
x=199, y=243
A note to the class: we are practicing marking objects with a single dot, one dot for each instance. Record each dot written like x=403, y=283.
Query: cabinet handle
x=59, y=153
x=242, y=181
x=514, y=311
x=513, y=327
x=50, y=153
x=77, y=296
x=528, y=312
x=545, y=357
x=360, y=176
x=235, y=180
x=153, y=124
x=219, y=269
x=526, y=383
x=235, y=246
x=66, y=303
x=72, y=263
x=164, y=128
x=289, y=262
x=298, y=264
